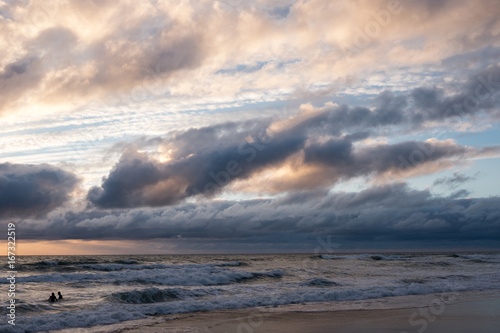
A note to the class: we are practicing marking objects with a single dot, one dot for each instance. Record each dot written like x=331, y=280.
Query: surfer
x=60, y=295
x=53, y=298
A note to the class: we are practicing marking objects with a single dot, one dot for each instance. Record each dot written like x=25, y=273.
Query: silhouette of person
x=60, y=295
x=53, y=298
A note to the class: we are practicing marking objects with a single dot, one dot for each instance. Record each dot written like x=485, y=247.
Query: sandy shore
x=477, y=312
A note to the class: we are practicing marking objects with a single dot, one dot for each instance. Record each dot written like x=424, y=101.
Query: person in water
x=60, y=295
x=53, y=298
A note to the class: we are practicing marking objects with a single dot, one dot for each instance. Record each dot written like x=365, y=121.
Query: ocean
x=102, y=290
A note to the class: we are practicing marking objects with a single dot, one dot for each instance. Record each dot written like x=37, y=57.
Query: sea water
x=101, y=290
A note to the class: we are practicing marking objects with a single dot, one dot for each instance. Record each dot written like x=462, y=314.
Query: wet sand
x=477, y=312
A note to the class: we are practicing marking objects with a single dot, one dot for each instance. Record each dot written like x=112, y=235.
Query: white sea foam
x=119, y=267
x=132, y=265
x=493, y=258
x=182, y=275
x=156, y=295
x=319, y=282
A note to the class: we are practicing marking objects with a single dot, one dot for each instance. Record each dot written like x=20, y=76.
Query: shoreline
x=469, y=311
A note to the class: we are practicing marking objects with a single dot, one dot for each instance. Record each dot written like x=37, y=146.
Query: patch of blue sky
x=484, y=179
x=253, y=105
x=356, y=184
x=487, y=183
x=6, y=15
x=246, y=108
x=403, y=134
x=480, y=136
x=487, y=137
x=417, y=43
x=280, y=12
x=474, y=60
x=242, y=68
x=343, y=97
x=60, y=128
x=245, y=68
x=45, y=151
x=283, y=64
x=66, y=151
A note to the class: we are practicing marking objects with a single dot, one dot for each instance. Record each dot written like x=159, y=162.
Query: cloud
x=93, y=56
x=205, y=160
x=456, y=180
x=33, y=190
x=18, y=77
x=459, y=194
x=85, y=64
x=419, y=107
x=391, y=160
x=316, y=147
x=388, y=214
x=479, y=93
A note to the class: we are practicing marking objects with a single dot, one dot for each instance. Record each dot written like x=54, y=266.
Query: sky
x=231, y=126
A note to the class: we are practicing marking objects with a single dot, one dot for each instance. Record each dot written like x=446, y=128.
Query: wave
x=453, y=278
x=182, y=275
x=319, y=282
x=55, y=264
x=481, y=258
x=375, y=257
x=432, y=263
x=155, y=295
x=32, y=307
x=133, y=266
x=94, y=265
x=119, y=267
x=126, y=262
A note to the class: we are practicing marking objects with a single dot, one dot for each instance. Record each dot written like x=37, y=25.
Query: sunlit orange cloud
x=93, y=247
x=293, y=174
x=399, y=174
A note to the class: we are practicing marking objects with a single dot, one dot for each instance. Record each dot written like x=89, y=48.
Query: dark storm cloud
x=207, y=159
x=379, y=214
x=349, y=162
x=33, y=190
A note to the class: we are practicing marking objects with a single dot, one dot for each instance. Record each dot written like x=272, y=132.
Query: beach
x=458, y=312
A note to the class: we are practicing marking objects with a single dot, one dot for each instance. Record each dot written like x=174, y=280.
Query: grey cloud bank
x=393, y=216
x=33, y=190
